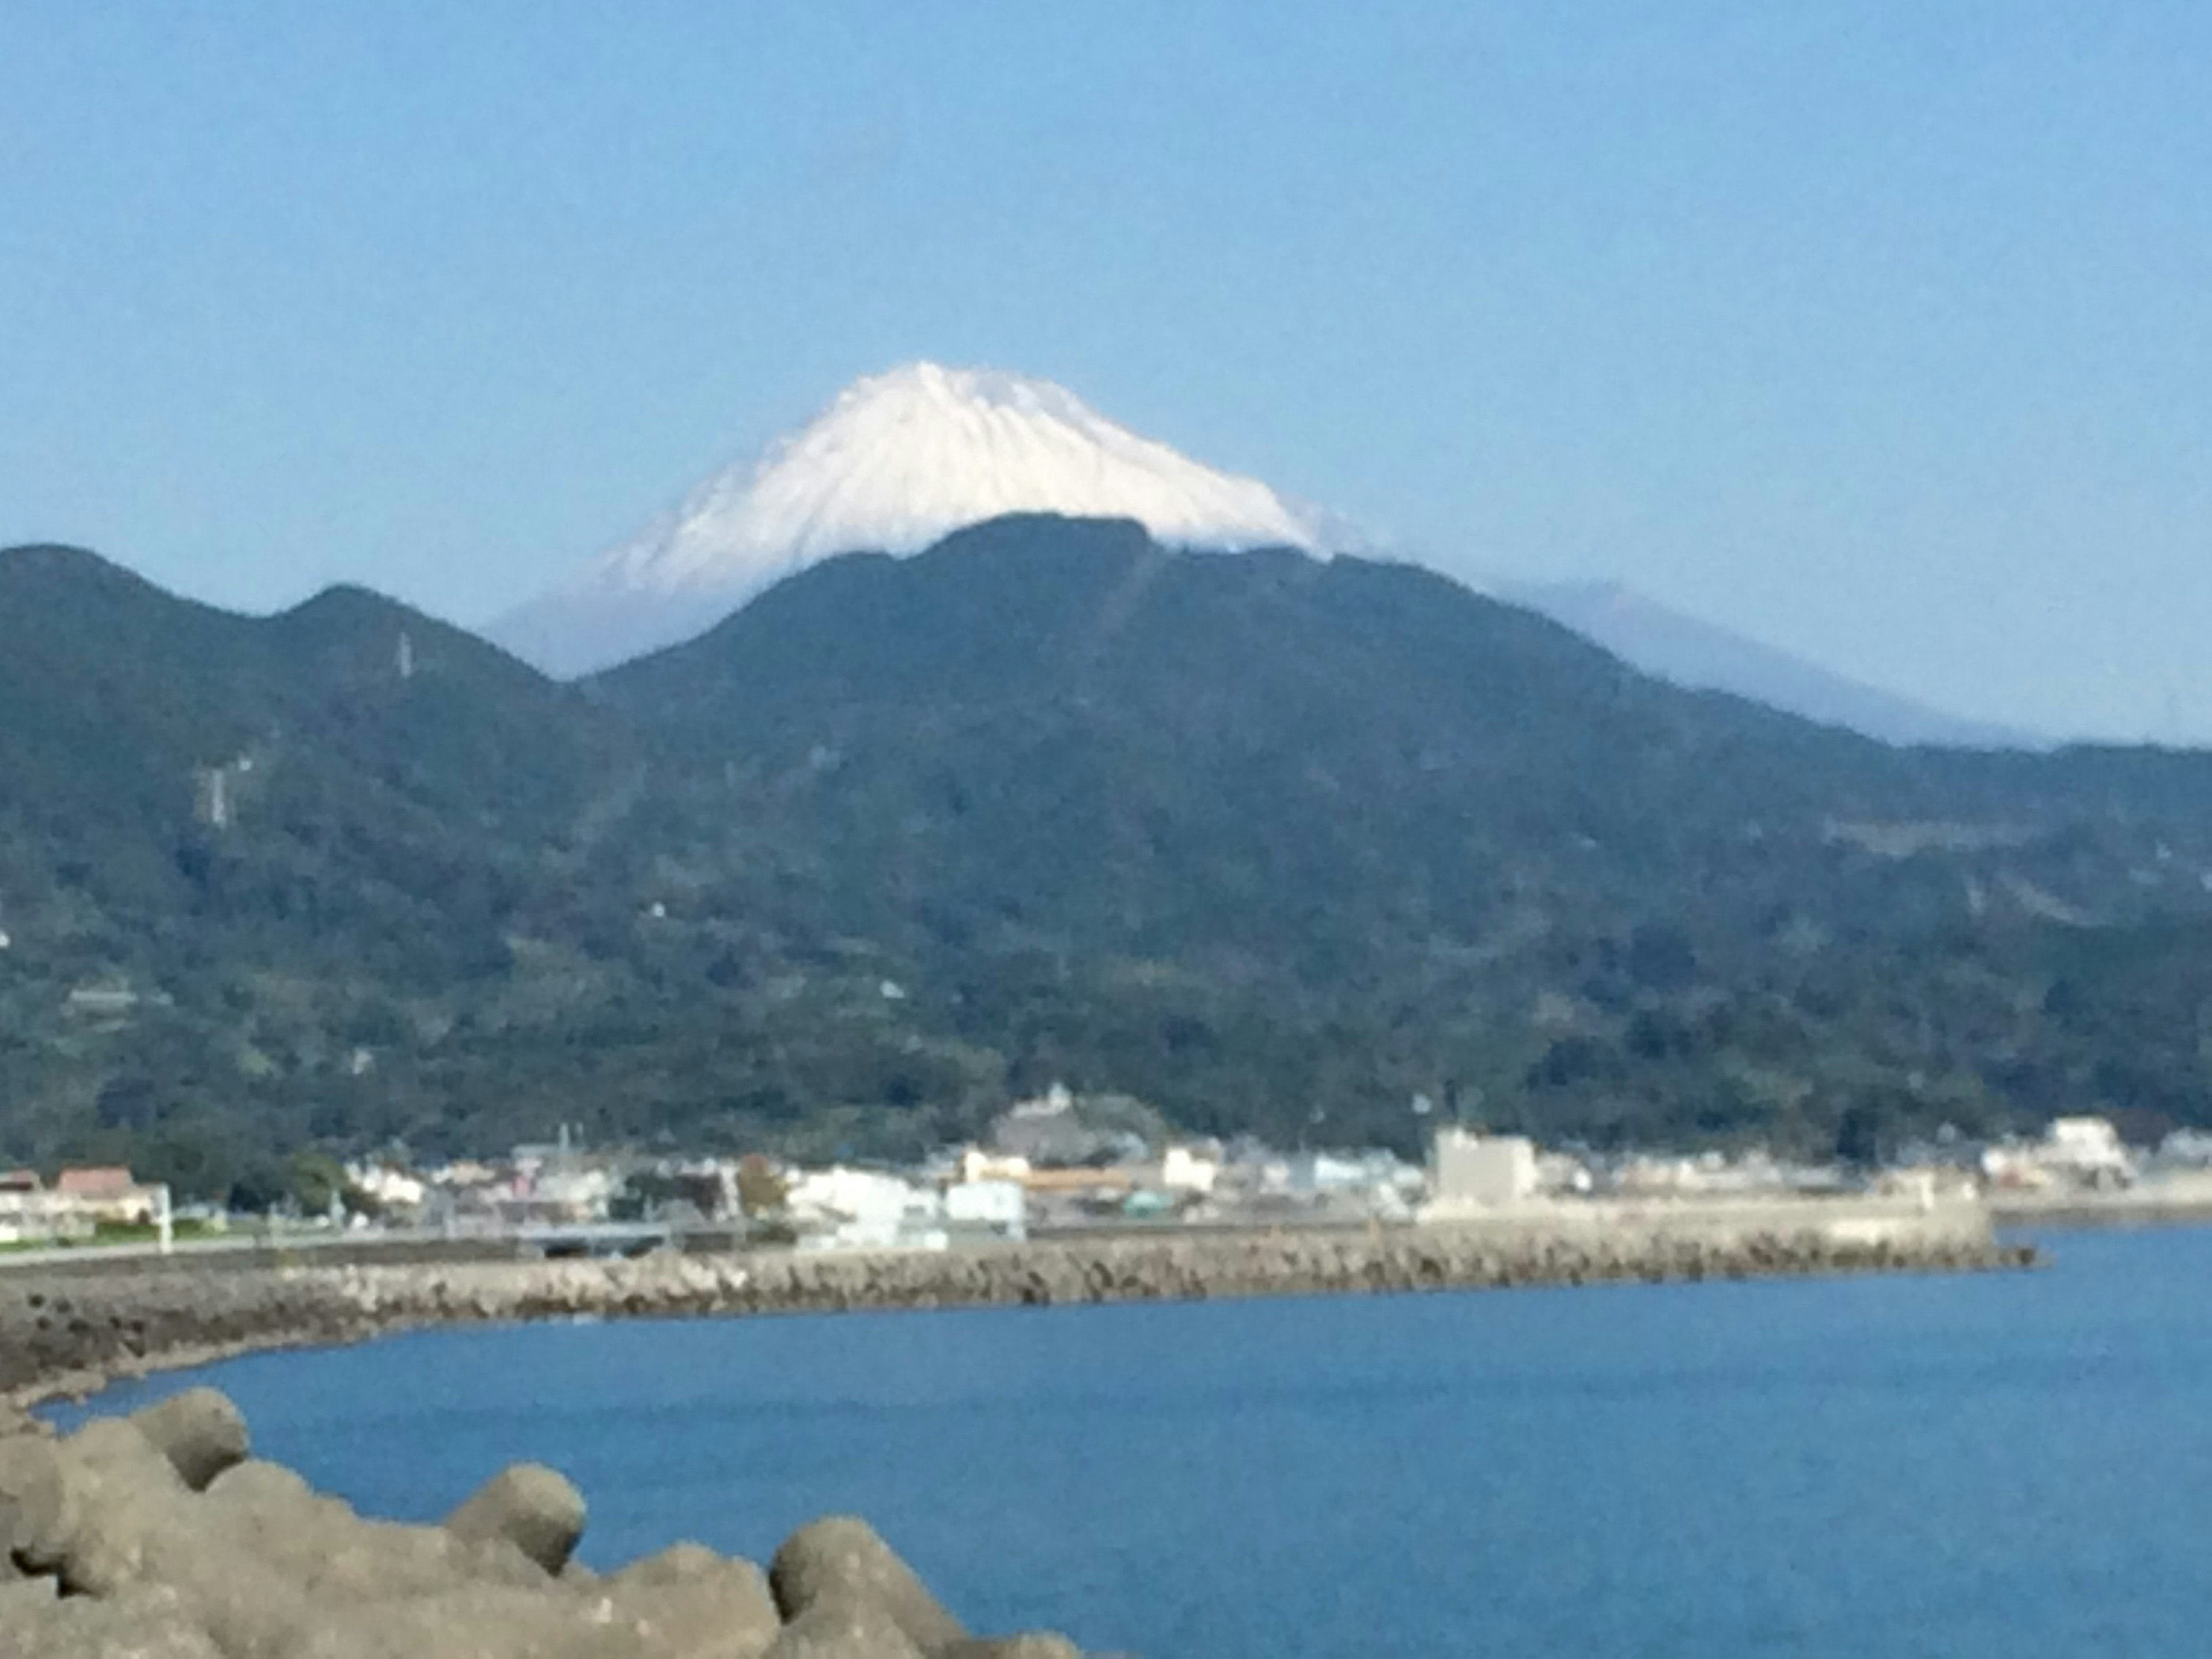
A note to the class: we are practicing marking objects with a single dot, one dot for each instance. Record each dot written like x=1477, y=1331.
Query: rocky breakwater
x=67, y=1336
x=158, y=1536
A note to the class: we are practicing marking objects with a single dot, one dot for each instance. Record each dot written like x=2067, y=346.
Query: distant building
x=991, y=1209
x=396, y=1193
x=2074, y=1151
x=2088, y=1146
x=1081, y=1183
x=1186, y=1171
x=1486, y=1170
x=843, y=1209
x=101, y=1000
x=78, y=1203
x=977, y=1165
x=111, y=1195
x=31, y=1214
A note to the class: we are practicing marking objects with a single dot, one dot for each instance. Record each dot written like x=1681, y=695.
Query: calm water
x=2018, y=1465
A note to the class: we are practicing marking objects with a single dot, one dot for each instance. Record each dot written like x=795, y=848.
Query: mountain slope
x=274, y=831
x=1242, y=831
x=1695, y=653
x=113, y=691
x=895, y=462
x=1273, y=841
x=901, y=459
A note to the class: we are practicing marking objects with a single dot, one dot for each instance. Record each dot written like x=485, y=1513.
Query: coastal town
x=1057, y=1166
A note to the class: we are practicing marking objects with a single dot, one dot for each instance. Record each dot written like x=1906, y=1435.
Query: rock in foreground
x=158, y=1536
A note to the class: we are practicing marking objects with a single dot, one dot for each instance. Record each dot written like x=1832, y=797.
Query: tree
x=760, y=1190
x=1861, y=1134
x=315, y=1182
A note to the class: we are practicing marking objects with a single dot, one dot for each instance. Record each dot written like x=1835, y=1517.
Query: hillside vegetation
x=1272, y=843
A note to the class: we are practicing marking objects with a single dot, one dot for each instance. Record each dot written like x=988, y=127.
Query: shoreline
x=68, y=1336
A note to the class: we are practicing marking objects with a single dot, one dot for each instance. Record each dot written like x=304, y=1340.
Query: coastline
x=69, y=1336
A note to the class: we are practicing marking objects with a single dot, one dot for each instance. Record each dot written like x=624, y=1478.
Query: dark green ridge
x=1271, y=843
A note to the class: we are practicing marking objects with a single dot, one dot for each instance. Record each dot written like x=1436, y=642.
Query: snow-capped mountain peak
x=897, y=461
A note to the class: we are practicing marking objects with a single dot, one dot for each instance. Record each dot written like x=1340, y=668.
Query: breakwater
x=69, y=1333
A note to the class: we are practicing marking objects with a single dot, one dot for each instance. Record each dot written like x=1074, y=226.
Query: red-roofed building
x=109, y=1193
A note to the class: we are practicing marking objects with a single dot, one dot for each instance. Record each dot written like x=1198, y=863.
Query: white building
x=1184, y=1171
x=574, y=1194
x=2088, y=1147
x=2074, y=1151
x=394, y=1192
x=1489, y=1171
x=843, y=1209
x=998, y=1209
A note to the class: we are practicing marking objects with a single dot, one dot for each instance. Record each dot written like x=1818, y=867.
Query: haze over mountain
x=900, y=459
x=1640, y=630
x=1271, y=842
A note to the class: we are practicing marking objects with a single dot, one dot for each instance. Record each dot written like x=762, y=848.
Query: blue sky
x=1882, y=331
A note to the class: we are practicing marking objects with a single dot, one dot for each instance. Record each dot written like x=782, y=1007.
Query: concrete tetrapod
x=836, y=1627
x=694, y=1601
x=38, y=1505
x=199, y=1431
x=841, y=1559
x=529, y=1506
x=121, y=1542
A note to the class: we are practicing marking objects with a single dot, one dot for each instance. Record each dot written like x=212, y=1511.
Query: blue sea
x=1976, y=1467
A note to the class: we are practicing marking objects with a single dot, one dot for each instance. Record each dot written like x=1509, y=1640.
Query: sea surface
x=2005, y=1467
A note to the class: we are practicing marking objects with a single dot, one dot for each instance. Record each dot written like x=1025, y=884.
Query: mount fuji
x=898, y=461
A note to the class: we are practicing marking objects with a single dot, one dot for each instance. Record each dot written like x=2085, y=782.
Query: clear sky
x=1882, y=332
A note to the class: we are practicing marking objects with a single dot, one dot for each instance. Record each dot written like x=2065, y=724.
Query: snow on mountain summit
x=896, y=462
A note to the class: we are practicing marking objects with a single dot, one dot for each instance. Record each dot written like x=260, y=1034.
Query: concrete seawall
x=69, y=1333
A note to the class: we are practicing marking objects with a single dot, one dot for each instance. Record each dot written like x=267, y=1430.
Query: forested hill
x=1272, y=842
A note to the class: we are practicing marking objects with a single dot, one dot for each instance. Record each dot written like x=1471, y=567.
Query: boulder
x=258, y=1483
x=142, y=1625
x=249, y=1607
x=528, y=1506
x=122, y=1496
x=842, y=1560
x=688, y=1601
x=372, y=1560
x=477, y=1622
x=136, y=1532
x=201, y=1433
x=1031, y=1644
x=839, y=1628
x=116, y=1453
x=337, y=1557
x=38, y=1502
x=22, y=1599
x=678, y=1563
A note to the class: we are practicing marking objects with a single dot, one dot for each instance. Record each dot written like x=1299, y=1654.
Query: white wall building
x=2073, y=1150
x=1490, y=1171
x=392, y=1190
x=843, y=1209
x=1187, y=1172
x=998, y=1208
